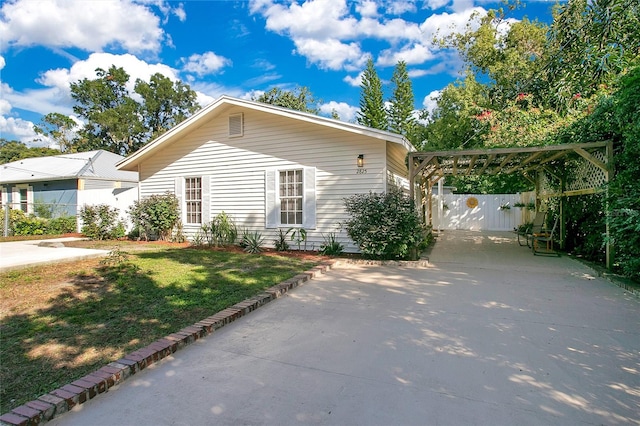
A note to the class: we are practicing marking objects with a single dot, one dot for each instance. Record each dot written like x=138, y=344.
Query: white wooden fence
x=479, y=212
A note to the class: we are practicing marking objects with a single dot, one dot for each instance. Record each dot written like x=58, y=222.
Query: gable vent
x=236, y=125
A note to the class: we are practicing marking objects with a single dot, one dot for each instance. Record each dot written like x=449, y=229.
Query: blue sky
x=237, y=48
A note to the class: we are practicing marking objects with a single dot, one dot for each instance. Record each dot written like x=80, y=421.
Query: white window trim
x=205, y=205
x=272, y=197
x=15, y=197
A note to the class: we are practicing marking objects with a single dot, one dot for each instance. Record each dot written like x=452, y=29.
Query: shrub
x=330, y=246
x=280, y=243
x=384, y=226
x=221, y=231
x=62, y=225
x=156, y=216
x=100, y=222
x=21, y=224
x=252, y=242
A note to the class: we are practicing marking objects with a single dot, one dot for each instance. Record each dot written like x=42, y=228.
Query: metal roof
x=97, y=164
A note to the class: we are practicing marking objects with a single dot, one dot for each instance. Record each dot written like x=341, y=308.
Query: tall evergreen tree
x=401, y=118
x=372, y=112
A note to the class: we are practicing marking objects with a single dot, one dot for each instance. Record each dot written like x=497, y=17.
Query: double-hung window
x=290, y=197
x=193, y=200
x=290, y=185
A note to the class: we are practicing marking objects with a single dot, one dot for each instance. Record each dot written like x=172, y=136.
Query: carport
x=557, y=171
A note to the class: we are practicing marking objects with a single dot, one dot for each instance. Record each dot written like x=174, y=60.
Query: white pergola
x=556, y=171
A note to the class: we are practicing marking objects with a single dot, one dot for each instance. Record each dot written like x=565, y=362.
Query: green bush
x=100, y=222
x=22, y=224
x=156, y=216
x=331, y=246
x=62, y=225
x=384, y=226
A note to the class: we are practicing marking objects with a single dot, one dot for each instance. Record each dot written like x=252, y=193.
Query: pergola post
x=609, y=248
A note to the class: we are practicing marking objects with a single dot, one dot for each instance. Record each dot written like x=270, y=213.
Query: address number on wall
x=361, y=171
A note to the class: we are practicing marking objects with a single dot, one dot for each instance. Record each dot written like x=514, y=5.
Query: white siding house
x=269, y=167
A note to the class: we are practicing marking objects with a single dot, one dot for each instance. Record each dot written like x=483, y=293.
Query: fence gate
x=494, y=212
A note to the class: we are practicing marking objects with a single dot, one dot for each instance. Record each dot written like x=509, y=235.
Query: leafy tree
x=459, y=119
x=118, y=123
x=401, y=118
x=60, y=128
x=165, y=103
x=372, y=111
x=300, y=99
x=112, y=116
x=15, y=150
x=590, y=43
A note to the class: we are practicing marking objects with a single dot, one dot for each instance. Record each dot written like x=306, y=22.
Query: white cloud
x=367, y=8
x=88, y=25
x=331, y=53
x=414, y=54
x=12, y=128
x=312, y=19
x=444, y=24
x=345, y=111
x=354, y=81
x=396, y=7
x=431, y=100
x=435, y=4
x=2, y=62
x=61, y=78
x=206, y=63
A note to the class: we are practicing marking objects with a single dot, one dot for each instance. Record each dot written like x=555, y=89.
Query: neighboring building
x=62, y=184
x=269, y=168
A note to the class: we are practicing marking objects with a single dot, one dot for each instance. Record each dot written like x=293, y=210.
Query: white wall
x=121, y=198
x=486, y=216
x=236, y=167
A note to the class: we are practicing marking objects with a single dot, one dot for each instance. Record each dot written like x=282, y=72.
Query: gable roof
x=99, y=164
x=221, y=104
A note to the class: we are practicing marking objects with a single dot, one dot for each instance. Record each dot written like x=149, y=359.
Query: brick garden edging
x=61, y=400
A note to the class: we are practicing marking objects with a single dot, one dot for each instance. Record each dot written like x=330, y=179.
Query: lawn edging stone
x=62, y=400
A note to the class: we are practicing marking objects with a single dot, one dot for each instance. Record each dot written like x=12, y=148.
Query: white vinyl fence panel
x=458, y=211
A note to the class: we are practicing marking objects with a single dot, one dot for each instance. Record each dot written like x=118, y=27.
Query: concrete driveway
x=488, y=335
x=23, y=254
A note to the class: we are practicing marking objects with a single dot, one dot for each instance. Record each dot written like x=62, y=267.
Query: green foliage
x=384, y=226
x=115, y=121
x=100, y=222
x=61, y=225
x=585, y=222
x=59, y=128
x=280, y=243
x=299, y=235
x=331, y=246
x=372, y=112
x=252, y=242
x=13, y=151
x=156, y=216
x=402, y=102
x=23, y=224
x=300, y=99
x=221, y=231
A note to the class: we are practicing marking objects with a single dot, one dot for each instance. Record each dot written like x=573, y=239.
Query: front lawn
x=60, y=322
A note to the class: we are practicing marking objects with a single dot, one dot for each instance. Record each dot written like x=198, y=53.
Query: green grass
x=107, y=311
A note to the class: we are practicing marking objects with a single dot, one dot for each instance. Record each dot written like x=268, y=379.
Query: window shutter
x=236, y=125
x=271, y=207
x=309, y=208
x=206, y=199
x=180, y=196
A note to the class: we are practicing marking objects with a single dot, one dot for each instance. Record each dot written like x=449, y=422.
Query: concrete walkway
x=23, y=254
x=488, y=335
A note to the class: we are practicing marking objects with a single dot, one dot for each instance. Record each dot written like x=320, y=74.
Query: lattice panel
x=587, y=175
